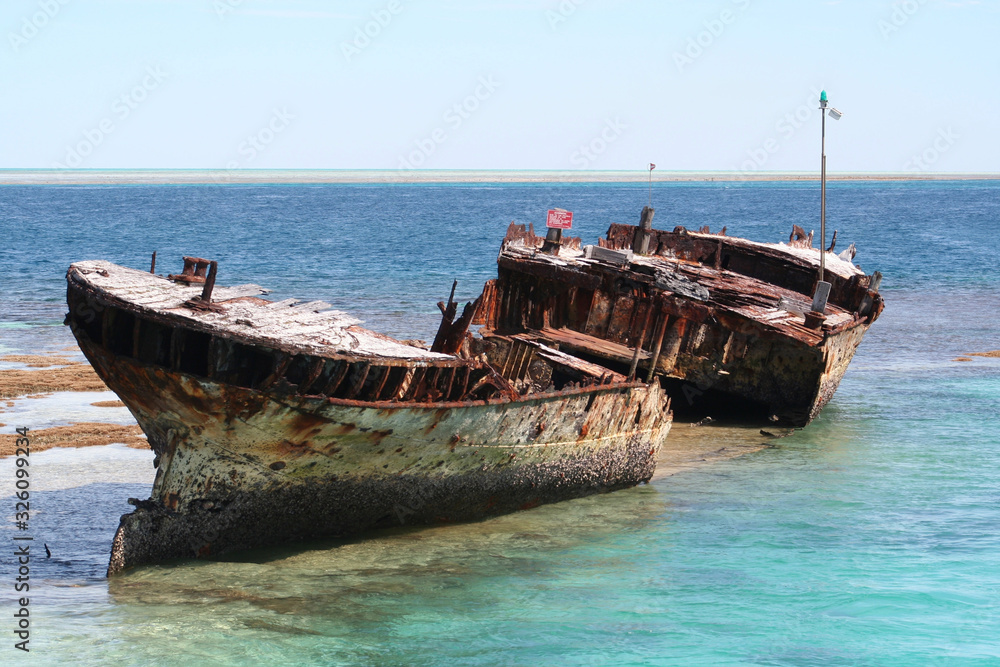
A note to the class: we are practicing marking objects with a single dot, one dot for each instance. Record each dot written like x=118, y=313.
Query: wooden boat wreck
x=726, y=323
x=281, y=421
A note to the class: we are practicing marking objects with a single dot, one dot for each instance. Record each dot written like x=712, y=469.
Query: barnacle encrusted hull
x=306, y=442
x=241, y=470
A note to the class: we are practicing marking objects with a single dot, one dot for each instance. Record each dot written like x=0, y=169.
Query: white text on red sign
x=559, y=219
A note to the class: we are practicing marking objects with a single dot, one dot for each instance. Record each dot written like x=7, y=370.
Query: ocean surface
x=872, y=537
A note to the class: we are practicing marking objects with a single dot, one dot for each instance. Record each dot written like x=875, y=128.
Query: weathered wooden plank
x=283, y=325
x=313, y=306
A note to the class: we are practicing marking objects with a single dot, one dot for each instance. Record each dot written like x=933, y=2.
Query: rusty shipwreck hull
x=721, y=320
x=257, y=446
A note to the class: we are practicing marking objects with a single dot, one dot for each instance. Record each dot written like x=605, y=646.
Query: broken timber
x=280, y=421
x=724, y=321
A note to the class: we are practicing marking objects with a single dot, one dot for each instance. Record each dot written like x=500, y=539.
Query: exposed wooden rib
x=414, y=389
x=359, y=383
x=279, y=370
x=404, y=384
x=378, y=390
x=338, y=376
x=467, y=373
x=656, y=348
x=433, y=380
x=315, y=368
x=451, y=380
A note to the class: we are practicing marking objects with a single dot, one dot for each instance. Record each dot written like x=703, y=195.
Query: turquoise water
x=872, y=537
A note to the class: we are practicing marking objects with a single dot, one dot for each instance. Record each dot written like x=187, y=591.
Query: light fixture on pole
x=823, y=287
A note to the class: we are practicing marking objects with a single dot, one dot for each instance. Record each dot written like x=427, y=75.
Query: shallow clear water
x=869, y=538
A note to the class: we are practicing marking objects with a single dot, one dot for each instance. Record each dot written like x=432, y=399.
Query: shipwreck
x=730, y=326
x=281, y=421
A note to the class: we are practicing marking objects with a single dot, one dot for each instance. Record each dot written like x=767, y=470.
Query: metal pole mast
x=651, y=168
x=822, y=206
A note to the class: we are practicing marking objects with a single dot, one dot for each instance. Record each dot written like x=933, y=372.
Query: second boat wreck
x=727, y=324
x=280, y=421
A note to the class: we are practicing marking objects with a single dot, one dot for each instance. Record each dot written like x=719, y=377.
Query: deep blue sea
x=872, y=537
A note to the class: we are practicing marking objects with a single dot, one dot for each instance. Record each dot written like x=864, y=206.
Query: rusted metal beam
x=656, y=349
x=674, y=340
x=638, y=345
x=206, y=292
x=447, y=315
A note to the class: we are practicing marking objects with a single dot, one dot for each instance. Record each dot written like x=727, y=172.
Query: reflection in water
x=395, y=561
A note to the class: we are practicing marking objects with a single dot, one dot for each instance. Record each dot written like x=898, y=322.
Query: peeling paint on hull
x=239, y=467
x=294, y=469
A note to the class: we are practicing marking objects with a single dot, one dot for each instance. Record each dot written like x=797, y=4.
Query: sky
x=500, y=84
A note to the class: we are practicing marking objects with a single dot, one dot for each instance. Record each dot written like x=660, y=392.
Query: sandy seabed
x=73, y=376
x=56, y=373
x=86, y=434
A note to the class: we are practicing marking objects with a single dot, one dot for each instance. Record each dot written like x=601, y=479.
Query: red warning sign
x=559, y=219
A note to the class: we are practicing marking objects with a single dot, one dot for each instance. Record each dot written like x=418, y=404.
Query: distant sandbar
x=418, y=176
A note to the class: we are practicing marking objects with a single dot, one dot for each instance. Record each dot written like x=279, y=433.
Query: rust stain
x=224, y=410
x=734, y=313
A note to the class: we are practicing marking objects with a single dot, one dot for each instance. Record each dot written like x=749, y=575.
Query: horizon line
x=195, y=176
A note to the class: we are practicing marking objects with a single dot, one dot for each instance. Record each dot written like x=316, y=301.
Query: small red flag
x=652, y=166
